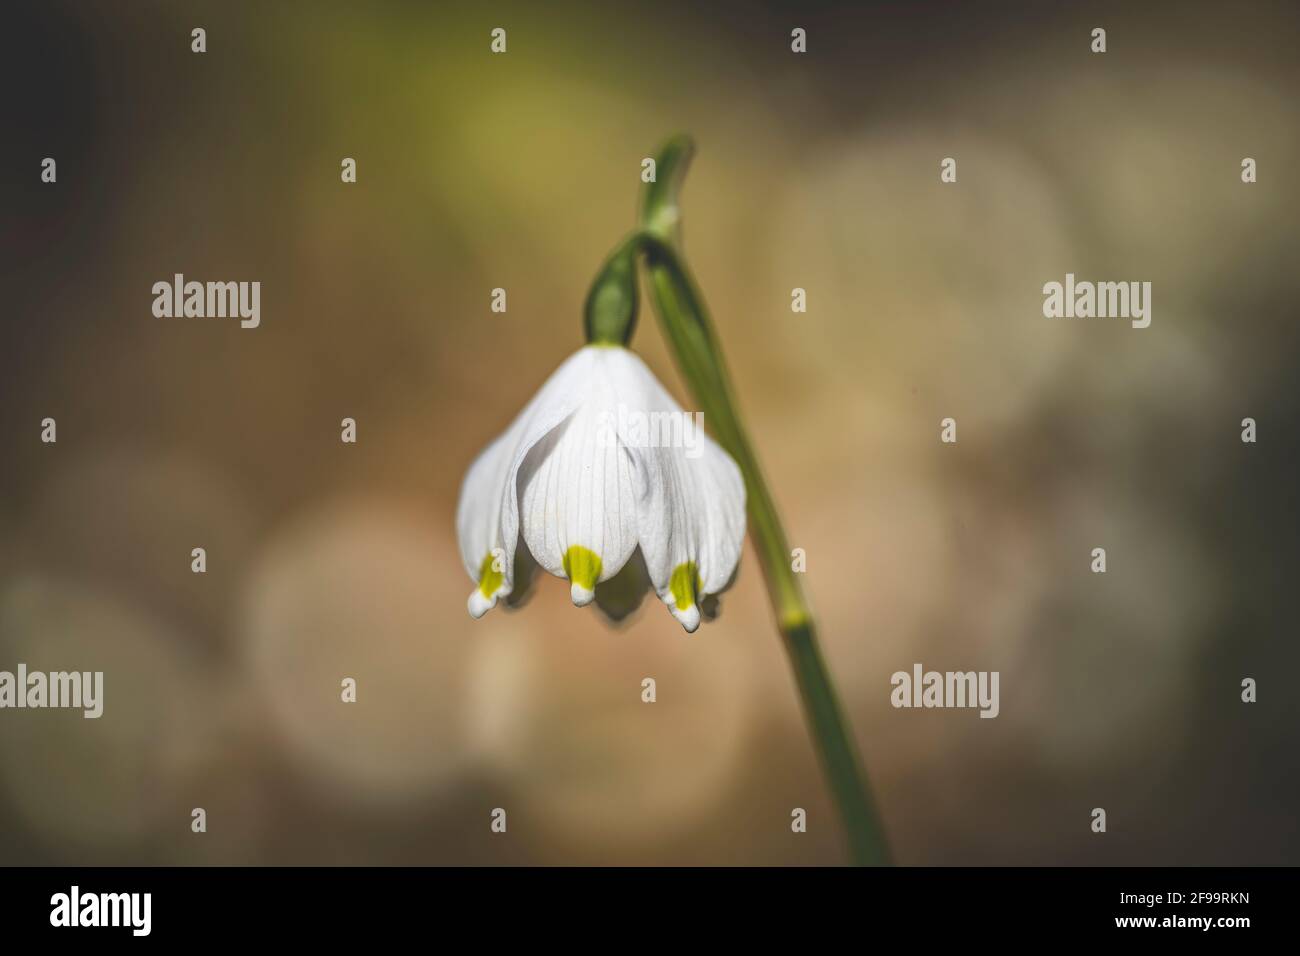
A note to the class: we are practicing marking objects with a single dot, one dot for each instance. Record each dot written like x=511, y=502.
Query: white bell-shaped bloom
x=600, y=462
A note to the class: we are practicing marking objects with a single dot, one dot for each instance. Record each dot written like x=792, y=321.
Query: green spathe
x=609, y=316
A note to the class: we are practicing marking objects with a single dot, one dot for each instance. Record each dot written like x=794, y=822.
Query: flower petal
x=487, y=513
x=691, y=513
x=577, y=490
x=478, y=526
x=692, y=526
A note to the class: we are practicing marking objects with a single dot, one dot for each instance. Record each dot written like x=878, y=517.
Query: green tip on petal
x=489, y=578
x=685, y=585
x=582, y=565
x=490, y=581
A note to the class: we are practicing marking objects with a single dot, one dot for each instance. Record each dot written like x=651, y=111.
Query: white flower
x=576, y=480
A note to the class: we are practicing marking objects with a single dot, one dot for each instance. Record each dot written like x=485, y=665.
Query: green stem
x=685, y=320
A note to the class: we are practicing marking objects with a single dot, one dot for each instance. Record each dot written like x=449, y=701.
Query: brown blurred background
x=521, y=171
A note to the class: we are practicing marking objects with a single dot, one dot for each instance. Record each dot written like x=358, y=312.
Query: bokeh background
x=521, y=171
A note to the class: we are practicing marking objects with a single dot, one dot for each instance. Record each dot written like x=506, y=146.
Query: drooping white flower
x=583, y=478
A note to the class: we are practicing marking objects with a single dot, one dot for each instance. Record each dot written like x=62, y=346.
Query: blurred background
x=521, y=171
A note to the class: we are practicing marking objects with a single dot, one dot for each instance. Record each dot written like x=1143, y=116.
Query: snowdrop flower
x=581, y=485
x=579, y=489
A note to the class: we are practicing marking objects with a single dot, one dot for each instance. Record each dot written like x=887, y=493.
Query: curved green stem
x=686, y=322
